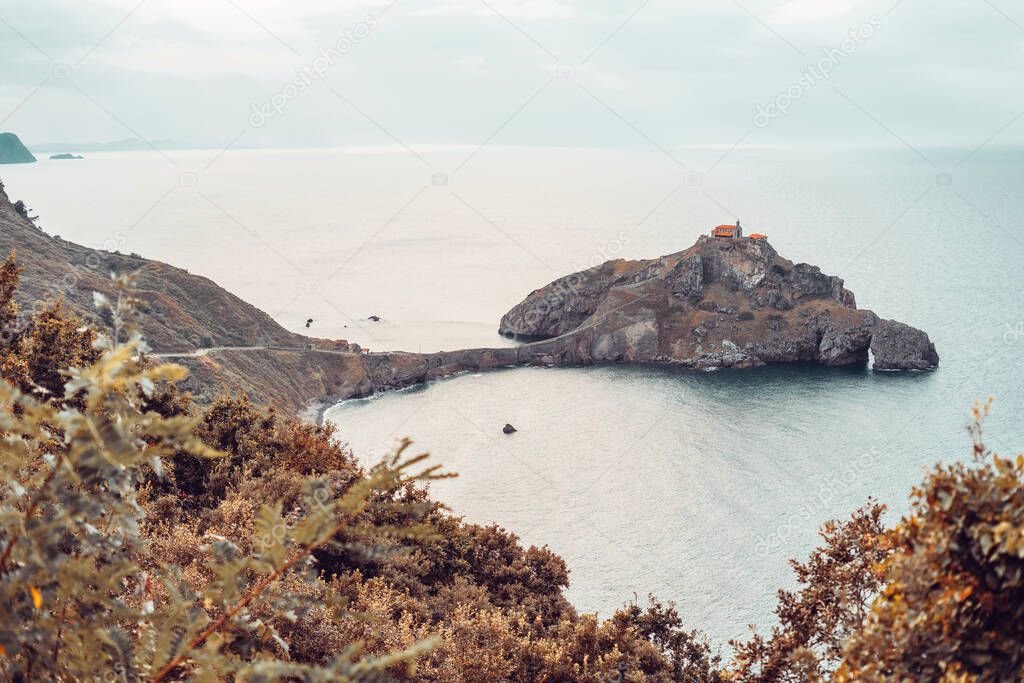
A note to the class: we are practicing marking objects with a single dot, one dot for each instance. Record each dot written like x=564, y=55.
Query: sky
x=664, y=73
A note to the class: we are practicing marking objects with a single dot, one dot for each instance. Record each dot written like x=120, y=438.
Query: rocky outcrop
x=897, y=346
x=12, y=151
x=721, y=303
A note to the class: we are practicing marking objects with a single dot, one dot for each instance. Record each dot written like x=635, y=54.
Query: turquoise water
x=694, y=486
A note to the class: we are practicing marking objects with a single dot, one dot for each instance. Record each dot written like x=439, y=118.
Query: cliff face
x=181, y=311
x=12, y=151
x=721, y=303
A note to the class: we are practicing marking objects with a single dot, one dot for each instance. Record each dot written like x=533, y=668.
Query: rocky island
x=65, y=155
x=12, y=151
x=724, y=302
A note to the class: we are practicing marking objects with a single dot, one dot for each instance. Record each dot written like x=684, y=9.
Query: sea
x=695, y=487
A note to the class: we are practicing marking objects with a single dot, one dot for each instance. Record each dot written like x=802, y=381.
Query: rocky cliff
x=12, y=151
x=181, y=311
x=721, y=303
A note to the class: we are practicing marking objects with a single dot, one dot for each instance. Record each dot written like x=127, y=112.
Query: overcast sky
x=518, y=72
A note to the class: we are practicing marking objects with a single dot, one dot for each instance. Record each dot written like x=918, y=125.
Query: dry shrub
x=938, y=597
x=952, y=608
x=88, y=591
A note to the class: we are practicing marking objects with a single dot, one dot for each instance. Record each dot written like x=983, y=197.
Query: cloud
x=451, y=71
x=801, y=11
x=530, y=10
x=156, y=57
x=472, y=64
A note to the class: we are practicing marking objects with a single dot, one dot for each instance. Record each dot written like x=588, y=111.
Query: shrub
x=953, y=603
x=76, y=602
x=139, y=539
x=144, y=537
x=35, y=353
x=838, y=583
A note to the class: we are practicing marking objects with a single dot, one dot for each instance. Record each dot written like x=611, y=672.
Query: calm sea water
x=694, y=486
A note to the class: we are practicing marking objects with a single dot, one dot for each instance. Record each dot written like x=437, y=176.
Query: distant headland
x=124, y=145
x=12, y=151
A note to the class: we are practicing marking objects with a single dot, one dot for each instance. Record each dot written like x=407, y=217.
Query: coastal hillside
x=186, y=316
x=181, y=312
x=12, y=151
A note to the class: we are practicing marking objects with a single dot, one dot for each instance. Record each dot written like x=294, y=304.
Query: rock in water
x=12, y=151
x=721, y=303
x=374, y=318
x=66, y=156
x=897, y=346
x=509, y=429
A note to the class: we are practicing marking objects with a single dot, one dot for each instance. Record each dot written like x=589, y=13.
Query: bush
x=953, y=603
x=838, y=584
x=937, y=597
x=35, y=354
x=139, y=539
x=76, y=601
x=144, y=537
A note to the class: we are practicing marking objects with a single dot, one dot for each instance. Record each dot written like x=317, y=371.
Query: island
x=66, y=155
x=12, y=151
x=728, y=301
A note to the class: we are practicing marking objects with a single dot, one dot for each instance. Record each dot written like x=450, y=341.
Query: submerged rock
x=509, y=429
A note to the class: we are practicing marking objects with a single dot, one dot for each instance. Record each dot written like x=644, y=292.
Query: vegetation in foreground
x=143, y=538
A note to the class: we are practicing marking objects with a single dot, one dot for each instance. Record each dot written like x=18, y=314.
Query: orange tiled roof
x=757, y=236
